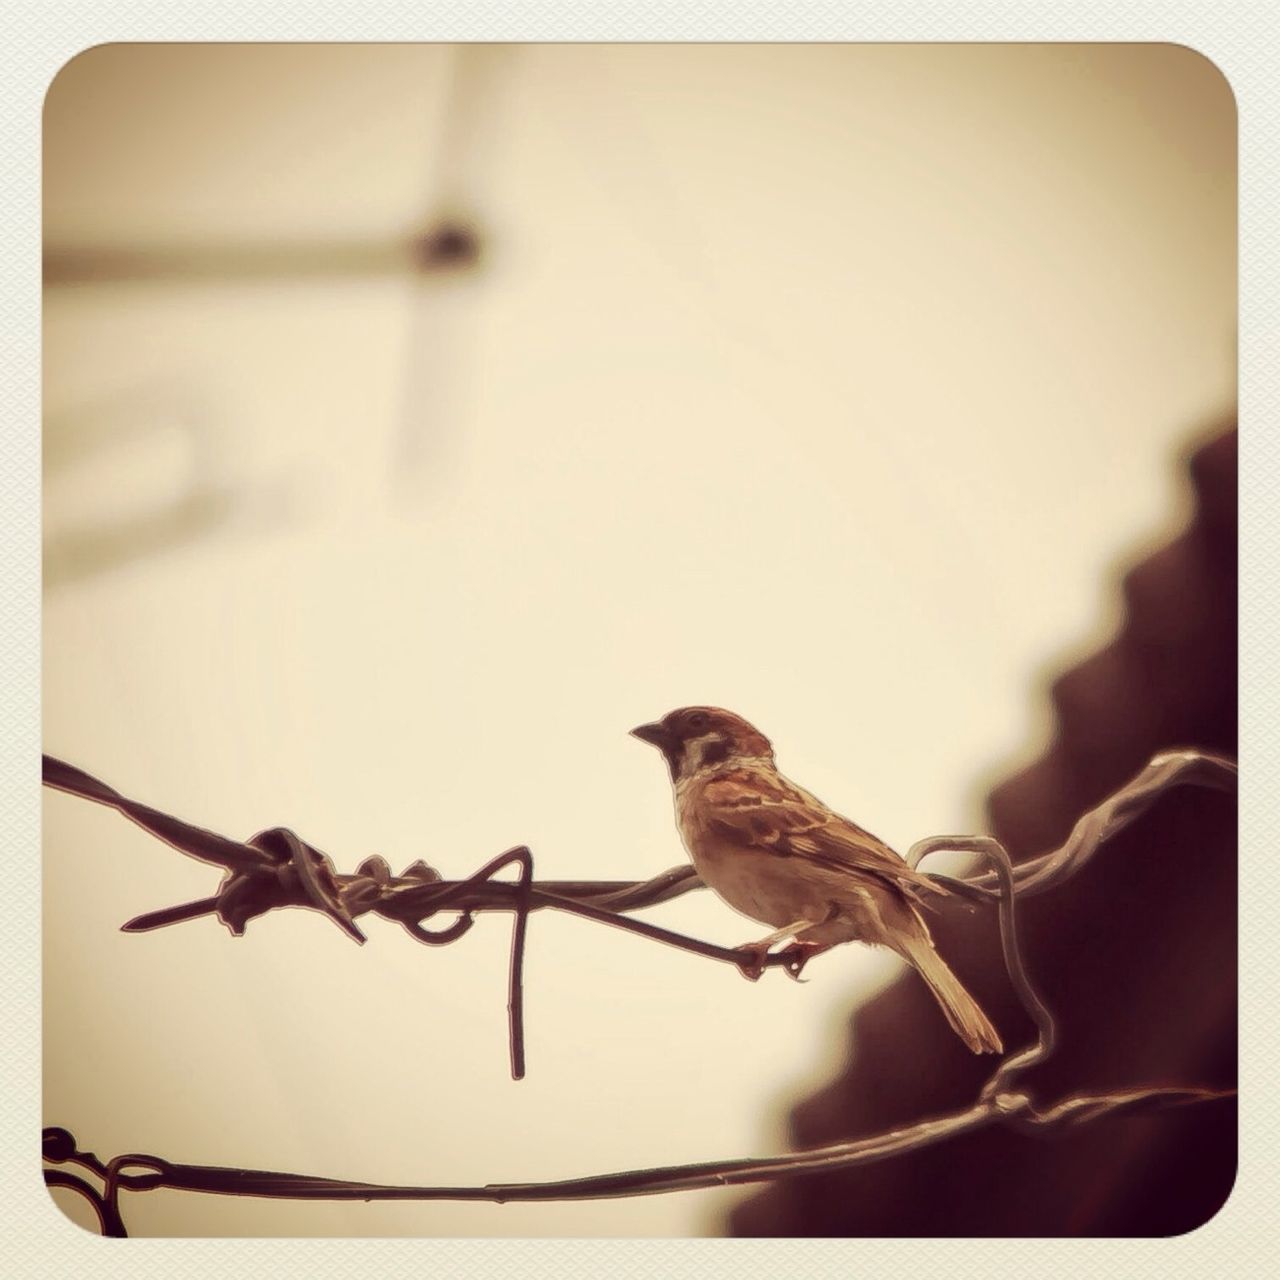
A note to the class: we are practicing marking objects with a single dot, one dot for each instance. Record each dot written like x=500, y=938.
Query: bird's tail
x=963, y=1013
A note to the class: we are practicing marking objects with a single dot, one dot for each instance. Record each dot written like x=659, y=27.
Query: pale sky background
x=832, y=384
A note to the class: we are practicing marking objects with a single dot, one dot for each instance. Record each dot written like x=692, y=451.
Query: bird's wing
x=764, y=811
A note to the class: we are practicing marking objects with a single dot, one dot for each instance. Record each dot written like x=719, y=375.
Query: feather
x=760, y=809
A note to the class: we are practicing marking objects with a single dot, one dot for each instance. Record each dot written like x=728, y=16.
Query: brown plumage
x=776, y=853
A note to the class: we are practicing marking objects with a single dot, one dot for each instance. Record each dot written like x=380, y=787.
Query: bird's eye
x=698, y=720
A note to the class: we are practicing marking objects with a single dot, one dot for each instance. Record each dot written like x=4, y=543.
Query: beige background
x=825, y=383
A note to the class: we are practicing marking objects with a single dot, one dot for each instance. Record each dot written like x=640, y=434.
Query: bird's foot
x=797, y=955
x=751, y=959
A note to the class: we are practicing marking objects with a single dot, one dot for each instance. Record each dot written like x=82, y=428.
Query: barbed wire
x=275, y=869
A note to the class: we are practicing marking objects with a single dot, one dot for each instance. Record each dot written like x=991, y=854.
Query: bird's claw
x=794, y=959
x=754, y=958
x=751, y=960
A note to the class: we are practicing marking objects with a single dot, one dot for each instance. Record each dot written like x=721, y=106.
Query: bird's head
x=693, y=738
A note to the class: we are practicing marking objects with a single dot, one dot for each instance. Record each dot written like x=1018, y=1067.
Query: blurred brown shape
x=450, y=246
x=1136, y=956
x=160, y=509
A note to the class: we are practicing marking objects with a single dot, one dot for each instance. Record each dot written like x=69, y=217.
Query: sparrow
x=777, y=854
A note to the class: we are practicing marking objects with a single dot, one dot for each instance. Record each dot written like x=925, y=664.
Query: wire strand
x=276, y=868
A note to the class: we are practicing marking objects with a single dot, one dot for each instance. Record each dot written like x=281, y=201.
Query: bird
x=776, y=853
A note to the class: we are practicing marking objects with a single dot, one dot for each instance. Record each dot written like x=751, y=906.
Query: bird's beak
x=652, y=733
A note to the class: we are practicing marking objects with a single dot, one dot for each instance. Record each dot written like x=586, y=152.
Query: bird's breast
x=756, y=882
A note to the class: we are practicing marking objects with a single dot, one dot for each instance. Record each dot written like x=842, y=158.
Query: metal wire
x=276, y=868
